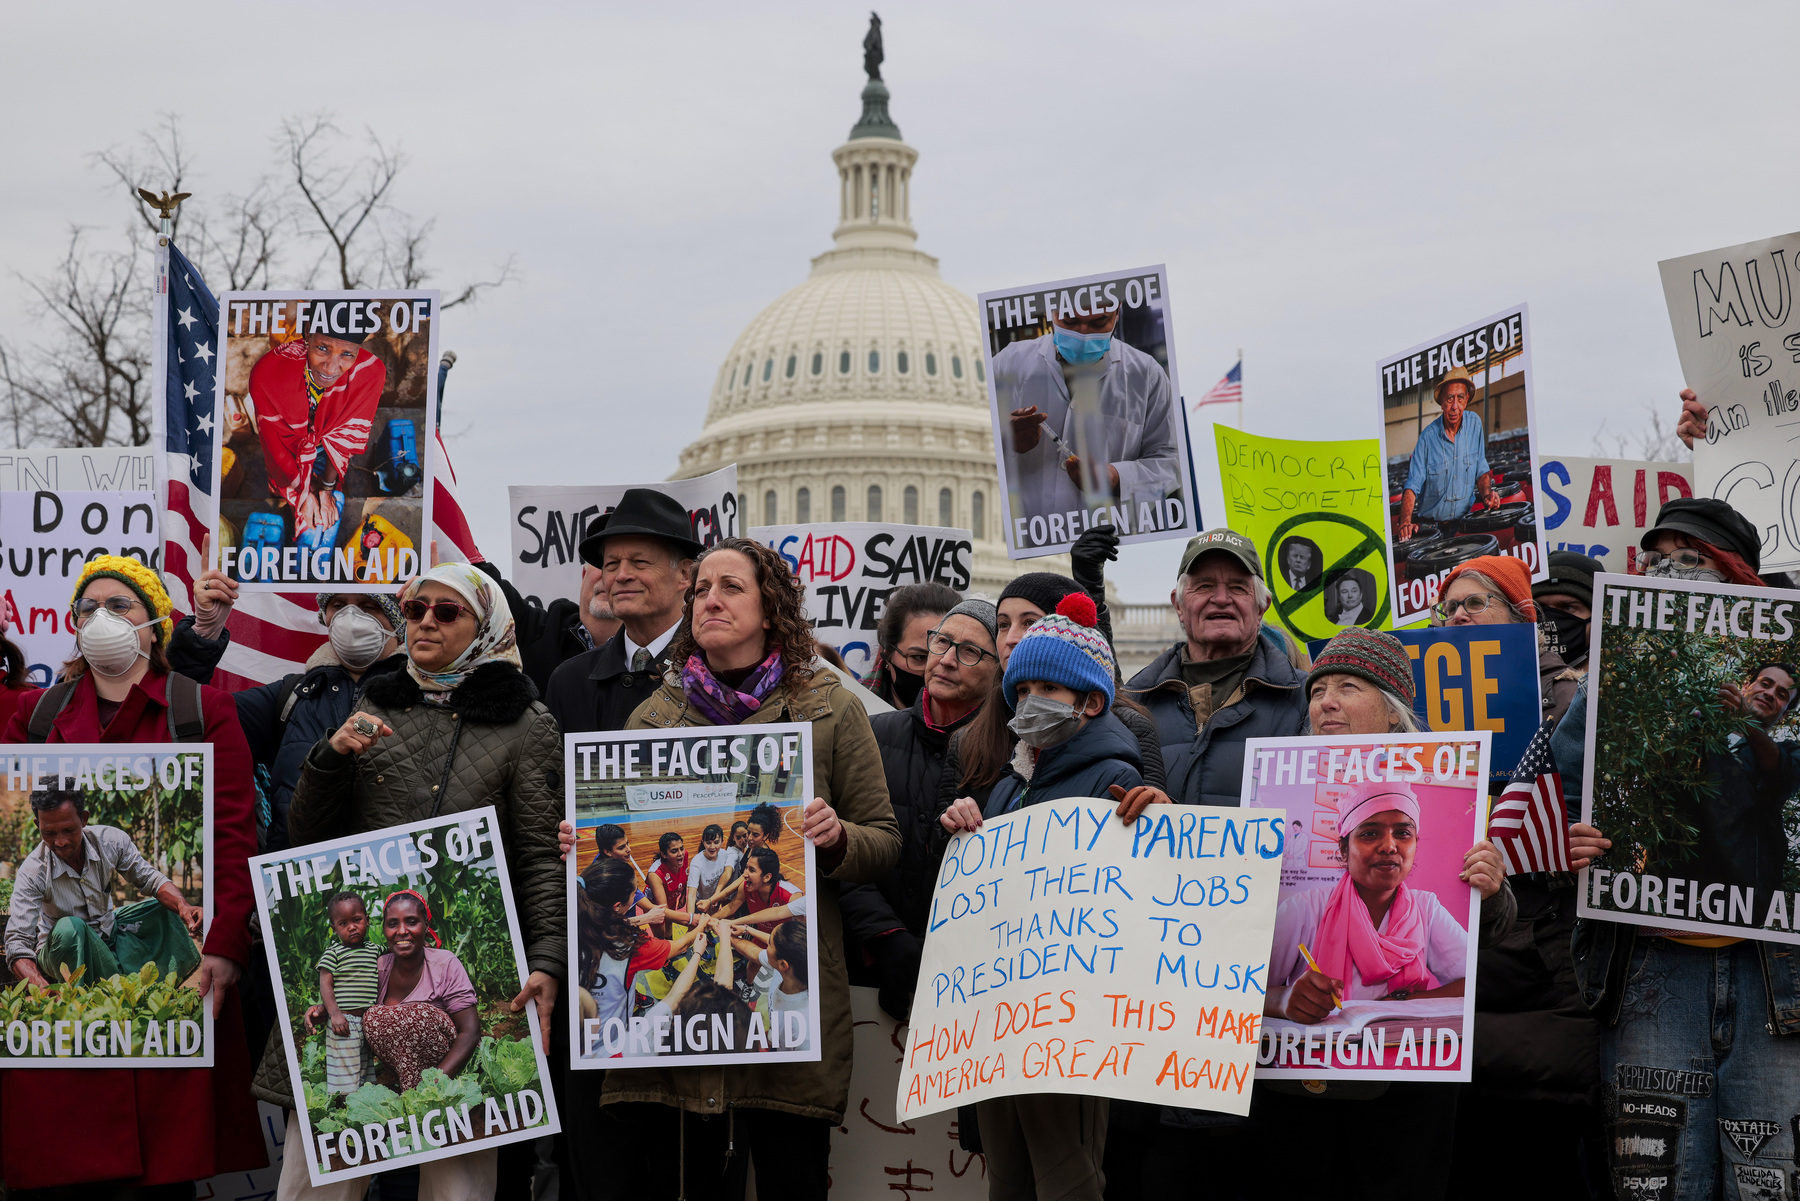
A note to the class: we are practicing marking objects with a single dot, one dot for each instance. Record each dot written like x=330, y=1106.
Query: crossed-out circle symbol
x=1371, y=544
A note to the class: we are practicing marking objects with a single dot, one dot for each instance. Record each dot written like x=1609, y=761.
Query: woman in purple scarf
x=745, y=656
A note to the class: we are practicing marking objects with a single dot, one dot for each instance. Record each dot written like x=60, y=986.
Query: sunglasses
x=446, y=612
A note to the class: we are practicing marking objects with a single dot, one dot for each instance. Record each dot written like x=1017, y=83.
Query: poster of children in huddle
x=396, y=956
x=688, y=897
x=1372, y=973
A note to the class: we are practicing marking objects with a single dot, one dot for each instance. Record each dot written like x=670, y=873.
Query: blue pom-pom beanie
x=1062, y=649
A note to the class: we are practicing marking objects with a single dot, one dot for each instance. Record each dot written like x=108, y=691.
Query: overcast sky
x=1328, y=183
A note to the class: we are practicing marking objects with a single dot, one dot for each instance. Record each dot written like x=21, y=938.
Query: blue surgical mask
x=1080, y=348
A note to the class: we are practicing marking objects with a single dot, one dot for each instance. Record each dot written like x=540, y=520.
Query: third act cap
x=1229, y=541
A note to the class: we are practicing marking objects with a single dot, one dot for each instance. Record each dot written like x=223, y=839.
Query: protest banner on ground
x=1738, y=337
x=1089, y=427
x=430, y=902
x=548, y=524
x=79, y=469
x=1070, y=953
x=105, y=957
x=849, y=568
x=45, y=538
x=1377, y=827
x=1475, y=678
x=688, y=897
x=1693, y=758
x=1317, y=512
x=1456, y=495
x=1602, y=507
x=328, y=419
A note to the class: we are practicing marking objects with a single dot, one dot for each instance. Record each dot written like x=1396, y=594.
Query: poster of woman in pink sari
x=1372, y=971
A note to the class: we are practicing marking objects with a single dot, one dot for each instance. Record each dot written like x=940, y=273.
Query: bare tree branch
x=341, y=198
x=1655, y=444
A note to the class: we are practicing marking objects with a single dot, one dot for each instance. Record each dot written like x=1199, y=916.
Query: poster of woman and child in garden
x=397, y=956
x=688, y=897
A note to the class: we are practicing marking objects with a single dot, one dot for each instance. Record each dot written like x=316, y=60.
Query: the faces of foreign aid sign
x=655, y=814
x=1089, y=427
x=121, y=969
x=324, y=436
x=427, y=906
x=1692, y=760
x=1404, y=1006
x=1733, y=314
x=1067, y=952
x=1459, y=438
x=850, y=568
x=1603, y=507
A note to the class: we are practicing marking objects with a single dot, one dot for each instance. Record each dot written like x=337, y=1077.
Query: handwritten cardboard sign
x=1602, y=507
x=1736, y=330
x=1070, y=953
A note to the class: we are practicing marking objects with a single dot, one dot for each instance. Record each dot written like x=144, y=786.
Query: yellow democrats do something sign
x=1317, y=512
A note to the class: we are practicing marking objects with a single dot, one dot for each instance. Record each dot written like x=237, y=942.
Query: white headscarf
x=496, y=641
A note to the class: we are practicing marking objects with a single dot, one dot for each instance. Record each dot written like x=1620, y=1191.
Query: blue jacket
x=1102, y=753
x=1205, y=760
x=1602, y=949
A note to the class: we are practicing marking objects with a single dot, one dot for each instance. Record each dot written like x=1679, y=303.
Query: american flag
x=1530, y=823
x=272, y=634
x=1229, y=390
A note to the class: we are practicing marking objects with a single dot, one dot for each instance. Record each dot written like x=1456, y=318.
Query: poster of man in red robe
x=327, y=407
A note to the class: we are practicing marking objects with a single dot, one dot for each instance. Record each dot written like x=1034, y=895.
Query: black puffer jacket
x=912, y=758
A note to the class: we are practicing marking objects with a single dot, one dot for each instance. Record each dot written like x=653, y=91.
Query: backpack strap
x=50, y=704
x=187, y=720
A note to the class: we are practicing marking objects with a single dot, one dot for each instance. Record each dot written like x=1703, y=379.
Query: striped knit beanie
x=1062, y=648
x=135, y=576
x=1375, y=656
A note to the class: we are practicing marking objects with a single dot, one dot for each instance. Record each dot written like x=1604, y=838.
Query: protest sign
x=327, y=430
x=1377, y=827
x=1457, y=494
x=429, y=901
x=1070, y=953
x=1089, y=428
x=548, y=524
x=45, y=539
x=1476, y=678
x=849, y=568
x=1317, y=512
x=1693, y=758
x=1736, y=332
x=688, y=897
x=106, y=969
x=1602, y=507
x=79, y=469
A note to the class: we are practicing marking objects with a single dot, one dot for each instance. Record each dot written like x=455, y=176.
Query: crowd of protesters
x=974, y=708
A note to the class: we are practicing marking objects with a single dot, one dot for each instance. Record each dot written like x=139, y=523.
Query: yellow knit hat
x=135, y=576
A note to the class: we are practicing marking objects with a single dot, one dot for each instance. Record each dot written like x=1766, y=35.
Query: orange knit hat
x=1513, y=577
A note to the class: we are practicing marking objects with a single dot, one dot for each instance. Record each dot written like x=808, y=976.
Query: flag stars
x=203, y=352
x=186, y=318
x=189, y=389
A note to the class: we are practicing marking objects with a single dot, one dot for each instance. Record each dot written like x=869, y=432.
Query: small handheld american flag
x=1229, y=390
x=1530, y=822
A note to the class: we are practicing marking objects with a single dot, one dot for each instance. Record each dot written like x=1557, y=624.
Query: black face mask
x=906, y=686
x=1568, y=634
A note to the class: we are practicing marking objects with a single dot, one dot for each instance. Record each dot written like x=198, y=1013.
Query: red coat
x=291, y=437
x=147, y=1126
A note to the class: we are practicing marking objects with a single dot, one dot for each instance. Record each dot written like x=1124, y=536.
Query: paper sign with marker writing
x=848, y=568
x=1372, y=966
x=1736, y=330
x=1476, y=678
x=1070, y=953
x=1602, y=507
x=1317, y=512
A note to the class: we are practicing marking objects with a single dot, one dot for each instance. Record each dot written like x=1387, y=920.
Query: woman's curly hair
x=783, y=604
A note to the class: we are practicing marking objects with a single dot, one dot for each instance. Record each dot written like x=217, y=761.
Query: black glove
x=896, y=958
x=1087, y=558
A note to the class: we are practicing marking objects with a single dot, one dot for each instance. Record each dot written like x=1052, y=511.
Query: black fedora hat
x=642, y=513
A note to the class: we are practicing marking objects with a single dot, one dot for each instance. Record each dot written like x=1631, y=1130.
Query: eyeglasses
x=87, y=606
x=1684, y=558
x=1476, y=603
x=914, y=659
x=967, y=653
x=445, y=611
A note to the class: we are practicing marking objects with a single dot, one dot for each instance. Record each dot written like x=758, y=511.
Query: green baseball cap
x=1221, y=539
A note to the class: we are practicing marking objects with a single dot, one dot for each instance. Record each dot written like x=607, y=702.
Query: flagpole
x=1240, y=416
x=165, y=204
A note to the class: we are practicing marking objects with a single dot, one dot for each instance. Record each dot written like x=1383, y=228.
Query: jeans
x=1700, y=1093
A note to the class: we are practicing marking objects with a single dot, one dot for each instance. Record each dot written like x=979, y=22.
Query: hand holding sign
x=821, y=826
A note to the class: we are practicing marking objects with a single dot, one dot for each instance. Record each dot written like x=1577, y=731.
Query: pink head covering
x=1346, y=935
x=1366, y=800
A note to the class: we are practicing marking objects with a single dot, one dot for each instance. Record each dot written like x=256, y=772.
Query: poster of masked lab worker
x=1089, y=428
